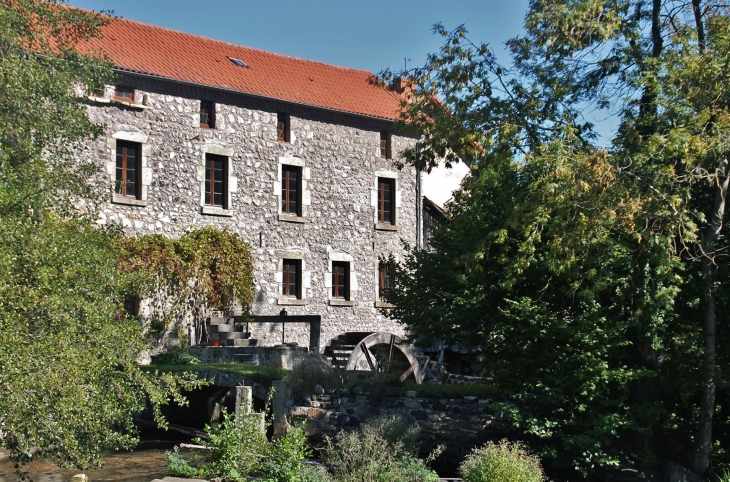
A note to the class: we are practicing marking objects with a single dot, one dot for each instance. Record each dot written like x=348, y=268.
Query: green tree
x=69, y=383
x=588, y=276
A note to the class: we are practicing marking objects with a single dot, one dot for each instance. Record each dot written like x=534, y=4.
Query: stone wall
x=274, y=357
x=460, y=423
x=340, y=158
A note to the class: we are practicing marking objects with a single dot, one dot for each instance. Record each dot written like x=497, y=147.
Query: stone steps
x=239, y=342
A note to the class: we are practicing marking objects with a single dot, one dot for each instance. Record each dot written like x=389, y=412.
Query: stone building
x=294, y=155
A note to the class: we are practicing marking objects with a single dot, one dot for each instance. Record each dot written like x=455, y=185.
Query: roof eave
x=249, y=94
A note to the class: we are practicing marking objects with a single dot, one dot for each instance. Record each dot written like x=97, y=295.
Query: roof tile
x=148, y=49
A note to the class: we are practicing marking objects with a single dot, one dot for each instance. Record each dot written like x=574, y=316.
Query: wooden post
x=367, y=356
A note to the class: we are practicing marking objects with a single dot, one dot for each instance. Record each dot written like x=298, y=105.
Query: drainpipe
x=419, y=207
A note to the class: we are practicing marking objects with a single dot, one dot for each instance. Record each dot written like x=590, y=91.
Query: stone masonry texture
x=340, y=155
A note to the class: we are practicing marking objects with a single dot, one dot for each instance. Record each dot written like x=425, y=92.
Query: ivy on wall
x=184, y=279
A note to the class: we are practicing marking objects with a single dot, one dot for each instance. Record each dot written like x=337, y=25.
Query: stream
x=145, y=463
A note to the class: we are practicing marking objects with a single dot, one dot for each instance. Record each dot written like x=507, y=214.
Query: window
x=207, y=114
x=386, y=200
x=283, y=127
x=291, y=182
x=292, y=277
x=341, y=280
x=384, y=279
x=215, y=180
x=128, y=169
x=124, y=93
x=385, y=144
x=433, y=216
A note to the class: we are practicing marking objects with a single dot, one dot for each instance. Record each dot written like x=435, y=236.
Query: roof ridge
x=211, y=39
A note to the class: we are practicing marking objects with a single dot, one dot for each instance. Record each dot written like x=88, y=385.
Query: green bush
x=176, y=358
x=310, y=371
x=240, y=449
x=503, y=462
x=237, y=448
x=377, y=454
x=284, y=457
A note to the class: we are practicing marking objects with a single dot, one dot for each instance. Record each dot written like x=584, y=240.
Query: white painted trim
x=231, y=185
x=374, y=200
x=334, y=256
x=145, y=174
x=306, y=197
x=292, y=253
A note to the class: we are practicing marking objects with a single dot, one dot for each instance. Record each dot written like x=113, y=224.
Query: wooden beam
x=367, y=356
x=409, y=371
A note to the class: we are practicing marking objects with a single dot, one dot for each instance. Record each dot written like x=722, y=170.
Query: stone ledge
x=216, y=211
x=129, y=201
x=341, y=303
x=291, y=302
x=289, y=218
x=383, y=304
x=386, y=227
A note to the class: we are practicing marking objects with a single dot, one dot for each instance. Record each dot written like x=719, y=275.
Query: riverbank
x=145, y=463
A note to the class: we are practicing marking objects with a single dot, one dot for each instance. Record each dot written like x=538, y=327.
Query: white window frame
x=111, y=165
x=343, y=257
x=279, y=278
x=374, y=201
x=232, y=185
x=306, y=198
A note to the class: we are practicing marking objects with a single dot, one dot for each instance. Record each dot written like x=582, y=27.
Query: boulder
x=677, y=473
x=318, y=389
x=632, y=475
x=392, y=392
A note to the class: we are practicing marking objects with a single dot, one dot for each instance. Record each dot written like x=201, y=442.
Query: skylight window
x=238, y=62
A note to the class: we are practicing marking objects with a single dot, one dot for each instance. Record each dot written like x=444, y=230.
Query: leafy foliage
x=205, y=268
x=69, y=382
x=238, y=448
x=382, y=450
x=503, y=462
x=312, y=370
x=591, y=278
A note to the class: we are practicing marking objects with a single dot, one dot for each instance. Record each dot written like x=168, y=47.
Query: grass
x=264, y=375
x=383, y=380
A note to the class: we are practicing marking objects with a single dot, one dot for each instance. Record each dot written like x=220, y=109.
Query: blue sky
x=372, y=34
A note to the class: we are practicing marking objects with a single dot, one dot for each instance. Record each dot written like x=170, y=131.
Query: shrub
x=503, y=462
x=240, y=449
x=310, y=371
x=315, y=474
x=236, y=450
x=284, y=457
x=377, y=454
x=176, y=358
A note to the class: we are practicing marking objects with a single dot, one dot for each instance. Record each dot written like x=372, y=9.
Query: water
x=144, y=464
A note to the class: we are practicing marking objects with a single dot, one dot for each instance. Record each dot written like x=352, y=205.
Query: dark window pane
x=206, y=113
x=216, y=168
x=282, y=127
x=291, y=278
x=386, y=195
x=127, y=169
x=123, y=92
x=339, y=280
x=290, y=190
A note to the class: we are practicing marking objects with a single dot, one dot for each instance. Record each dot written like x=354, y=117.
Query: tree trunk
x=707, y=405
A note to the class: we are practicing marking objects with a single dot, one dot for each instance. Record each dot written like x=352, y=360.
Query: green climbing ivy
x=205, y=269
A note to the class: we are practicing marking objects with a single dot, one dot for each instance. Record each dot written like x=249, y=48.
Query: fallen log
x=192, y=432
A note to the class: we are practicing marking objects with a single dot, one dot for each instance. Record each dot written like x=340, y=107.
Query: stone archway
x=378, y=346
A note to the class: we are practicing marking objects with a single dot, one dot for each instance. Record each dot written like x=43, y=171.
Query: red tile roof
x=148, y=49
